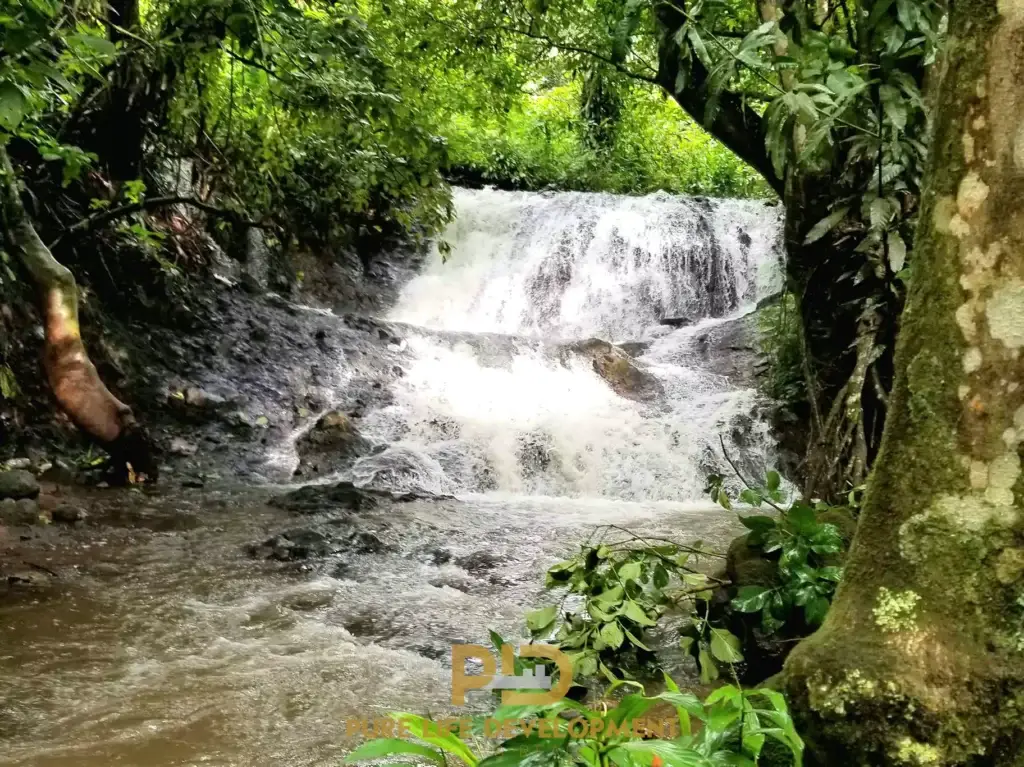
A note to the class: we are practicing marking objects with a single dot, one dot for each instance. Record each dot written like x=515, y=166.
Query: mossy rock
x=620, y=370
x=331, y=445
x=749, y=566
x=843, y=519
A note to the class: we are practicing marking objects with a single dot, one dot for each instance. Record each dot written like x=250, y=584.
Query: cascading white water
x=525, y=412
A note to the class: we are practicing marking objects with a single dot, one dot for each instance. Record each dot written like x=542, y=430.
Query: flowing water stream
x=174, y=648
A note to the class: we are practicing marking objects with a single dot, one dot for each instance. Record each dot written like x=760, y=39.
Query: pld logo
x=509, y=681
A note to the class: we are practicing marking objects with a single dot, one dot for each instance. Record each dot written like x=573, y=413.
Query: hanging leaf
x=826, y=225
x=12, y=106
x=708, y=669
x=725, y=646
x=97, y=44
x=897, y=251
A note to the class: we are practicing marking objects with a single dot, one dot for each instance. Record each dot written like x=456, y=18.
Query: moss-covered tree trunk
x=921, y=659
x=71, y=374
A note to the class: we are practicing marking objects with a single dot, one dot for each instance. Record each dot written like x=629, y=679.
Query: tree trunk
x=71, y=374
x=921, y=659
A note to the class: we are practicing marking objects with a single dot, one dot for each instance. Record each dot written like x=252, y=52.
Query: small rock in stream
x=68, y=514
x=18, y=483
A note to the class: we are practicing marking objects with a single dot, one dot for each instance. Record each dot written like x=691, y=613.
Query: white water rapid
x=499, y=400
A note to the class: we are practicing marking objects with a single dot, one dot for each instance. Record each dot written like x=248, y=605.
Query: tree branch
x=735, y=123
x=106, y=216
x=577, y=49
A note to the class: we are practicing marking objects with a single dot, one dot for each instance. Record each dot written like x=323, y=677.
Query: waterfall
x=500, y=396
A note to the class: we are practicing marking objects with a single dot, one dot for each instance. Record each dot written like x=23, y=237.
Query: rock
x=313, y=499
x=18, y=463
x=843, y=519
x=199, y=403
x=676, y=322
x=240, y=421
x=28, y=579
x=60, y=473
x=364, y=542
x=68, y=514
x=182, y=447
x=24, y=511
x=748, y=566
x=18, y=483
x=299, y=543
x=479, y=562
x=435, y=555
x=618, y=369
x=331, y=445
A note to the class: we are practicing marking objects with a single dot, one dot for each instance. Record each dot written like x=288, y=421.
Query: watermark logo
x=510, y=683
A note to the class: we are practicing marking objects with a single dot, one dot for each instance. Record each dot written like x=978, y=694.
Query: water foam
x=524, y=413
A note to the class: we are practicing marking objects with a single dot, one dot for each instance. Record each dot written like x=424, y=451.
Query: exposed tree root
x=71, y=374
x=841, y=445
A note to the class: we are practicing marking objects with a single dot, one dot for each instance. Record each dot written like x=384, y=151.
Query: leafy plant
x=806, y=549
x=626, y=586
x=736, y=728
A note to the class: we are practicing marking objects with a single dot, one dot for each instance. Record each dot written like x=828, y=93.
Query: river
x=173, y=647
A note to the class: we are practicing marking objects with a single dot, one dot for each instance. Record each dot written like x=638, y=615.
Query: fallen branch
x=106, y=216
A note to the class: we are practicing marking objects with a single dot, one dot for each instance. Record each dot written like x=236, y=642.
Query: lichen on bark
x=941, y=681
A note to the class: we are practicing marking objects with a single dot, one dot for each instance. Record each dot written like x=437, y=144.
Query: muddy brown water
x=164, y=643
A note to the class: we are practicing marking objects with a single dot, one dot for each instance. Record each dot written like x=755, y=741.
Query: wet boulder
x=24, y=511
x=616, y=367
x=313, y=499
x=747, y=565
x=291, y=545
x=18, y=483
x=331, y=445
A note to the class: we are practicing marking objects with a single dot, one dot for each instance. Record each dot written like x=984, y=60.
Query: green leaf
x=773, y=479
x=897, y=251
x=751, y=599
x=751, y=497
x=610, y=597
x=723, y=500
x=708, y=669
x=816, y=610
x=758, y=523
x=826, y=225
x=637, y=753
x=447, y=742
x=612, y=635
x=381, y=747
x=597, y=613
x=725, y=646
x=630, y=571
x=538, y=620
x=802, y=518
x=636, y=641
x=635, y=613
x=661, y=577
x=98, y=44
x=12, y=106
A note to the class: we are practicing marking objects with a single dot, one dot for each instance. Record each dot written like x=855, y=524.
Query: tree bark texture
x=921, y=658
